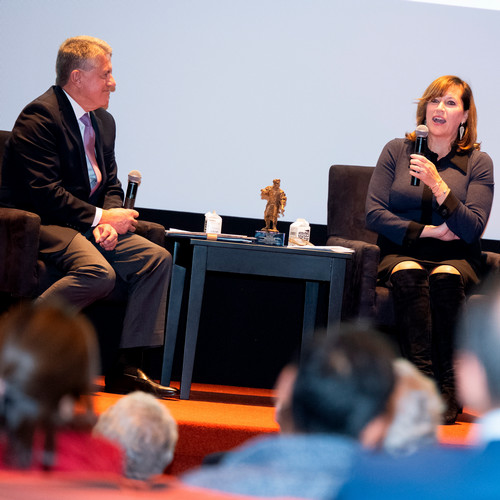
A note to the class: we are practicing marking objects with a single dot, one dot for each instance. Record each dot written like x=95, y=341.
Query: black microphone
x=420, y=148
x=134, y=179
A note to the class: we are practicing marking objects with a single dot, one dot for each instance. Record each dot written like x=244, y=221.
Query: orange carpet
x=462, y=432
x=218, y=418
x=214, y=419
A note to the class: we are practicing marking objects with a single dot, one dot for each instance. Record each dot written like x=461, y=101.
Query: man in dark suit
x=60, y=164
x=447, y=472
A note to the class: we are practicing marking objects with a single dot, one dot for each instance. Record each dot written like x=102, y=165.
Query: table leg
x=172, y=326
x=197, y=285
x=335, y=298
x=310, y=308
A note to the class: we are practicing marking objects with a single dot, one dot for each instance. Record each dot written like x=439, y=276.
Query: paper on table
x=336, y=248
x=225, y=235
x=235, y=238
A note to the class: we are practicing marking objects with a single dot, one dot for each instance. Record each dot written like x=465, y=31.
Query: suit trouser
x=90, y=273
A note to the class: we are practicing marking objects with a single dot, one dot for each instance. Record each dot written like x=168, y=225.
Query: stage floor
x=214, y=419
x=217, y=418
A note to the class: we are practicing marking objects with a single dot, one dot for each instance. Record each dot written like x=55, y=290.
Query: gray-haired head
x=417, y=410
x=145, y=430
x=79, y=52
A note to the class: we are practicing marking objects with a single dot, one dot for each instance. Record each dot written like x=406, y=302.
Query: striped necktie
x=95, y=175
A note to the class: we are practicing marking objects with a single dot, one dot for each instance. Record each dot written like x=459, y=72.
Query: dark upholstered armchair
x=347, y=189
x=24, y=276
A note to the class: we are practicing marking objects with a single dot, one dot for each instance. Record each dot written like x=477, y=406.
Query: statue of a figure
x=276, y=202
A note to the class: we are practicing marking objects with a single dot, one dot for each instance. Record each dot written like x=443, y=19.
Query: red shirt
x=77, y=451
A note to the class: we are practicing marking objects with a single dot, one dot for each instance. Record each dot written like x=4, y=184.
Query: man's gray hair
x=79, y=52
x=145, y=430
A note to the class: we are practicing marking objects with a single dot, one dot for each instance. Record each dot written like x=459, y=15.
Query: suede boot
x=413, y=317
x=447, y=299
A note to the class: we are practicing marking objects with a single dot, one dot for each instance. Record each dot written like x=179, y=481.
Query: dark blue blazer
x=45, y=170
x=437, y=473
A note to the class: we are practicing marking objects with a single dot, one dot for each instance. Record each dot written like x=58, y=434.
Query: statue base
x=270, y=238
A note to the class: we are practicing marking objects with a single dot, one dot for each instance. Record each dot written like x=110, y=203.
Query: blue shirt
x=283, y=465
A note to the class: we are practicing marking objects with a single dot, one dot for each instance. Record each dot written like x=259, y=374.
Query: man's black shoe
x=134, y=379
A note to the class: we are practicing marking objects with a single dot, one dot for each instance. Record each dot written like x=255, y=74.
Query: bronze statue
x=276, y=202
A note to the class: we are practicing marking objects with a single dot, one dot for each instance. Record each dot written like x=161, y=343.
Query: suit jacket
x=45, y=170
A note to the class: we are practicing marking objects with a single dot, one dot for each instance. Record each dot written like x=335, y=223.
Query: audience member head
x=416, y=408
x=478, y=350
x=48, y=362
x=344, y=383
x=79, y=53
x=283, y=404
x=144, y=429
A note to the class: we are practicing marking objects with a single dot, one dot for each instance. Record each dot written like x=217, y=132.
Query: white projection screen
x=216, y=98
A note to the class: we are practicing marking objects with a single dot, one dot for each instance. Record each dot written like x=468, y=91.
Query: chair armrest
x=19, y=243
x=152, y=231
x=491, y=261
x=19, y=240
x=361, y=278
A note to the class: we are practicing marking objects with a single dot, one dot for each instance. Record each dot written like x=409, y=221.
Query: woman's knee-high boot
x=447, y=299
x=413, y=317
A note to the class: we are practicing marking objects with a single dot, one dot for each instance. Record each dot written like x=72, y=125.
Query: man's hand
x=442, y=232
x=122, y=219
x=106, y=236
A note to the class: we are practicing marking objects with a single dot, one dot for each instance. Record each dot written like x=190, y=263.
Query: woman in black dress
x=429, y=235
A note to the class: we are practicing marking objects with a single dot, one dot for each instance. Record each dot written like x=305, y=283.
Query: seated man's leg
x=87, y=274
x=146, y=268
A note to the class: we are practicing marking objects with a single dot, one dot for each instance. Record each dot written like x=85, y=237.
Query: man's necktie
x=95, y=175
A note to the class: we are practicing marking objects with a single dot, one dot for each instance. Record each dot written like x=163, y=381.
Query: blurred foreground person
x=465, y=472
x=417, y=410
x=338, y=405
x=48, y=361
x=145, y=430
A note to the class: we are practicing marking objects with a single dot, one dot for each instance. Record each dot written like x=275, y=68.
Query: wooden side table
x=311, y=266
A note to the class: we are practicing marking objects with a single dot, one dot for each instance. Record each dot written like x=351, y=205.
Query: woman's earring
x=461, y=131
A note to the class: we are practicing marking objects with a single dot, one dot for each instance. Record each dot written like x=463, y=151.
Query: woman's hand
x=423, y=169
x=442, y=232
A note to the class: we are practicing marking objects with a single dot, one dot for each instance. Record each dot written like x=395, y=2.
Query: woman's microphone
x=421, y=133
x=134, y=179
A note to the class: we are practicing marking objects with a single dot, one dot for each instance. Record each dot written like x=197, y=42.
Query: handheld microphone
x=420, y=147
x=134, y=179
